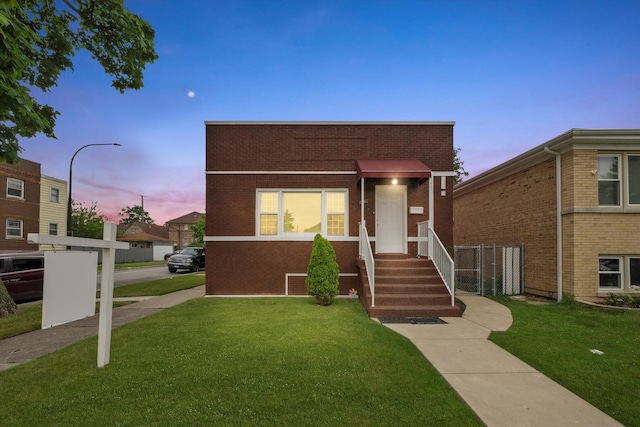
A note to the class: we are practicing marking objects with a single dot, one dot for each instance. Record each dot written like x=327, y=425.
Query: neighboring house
x=580, y=227
x=19, y=204
x=271, y=186
x=147, y=236
x=53, y=209
x=180, y=229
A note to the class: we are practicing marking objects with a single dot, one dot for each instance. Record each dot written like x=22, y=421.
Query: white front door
x=391, y=219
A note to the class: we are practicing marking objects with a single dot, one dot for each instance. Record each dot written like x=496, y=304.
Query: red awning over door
x=393, y=169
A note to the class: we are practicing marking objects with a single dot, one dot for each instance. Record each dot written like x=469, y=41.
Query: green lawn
x=30, y=316
x=238, y=362
x=557, y=340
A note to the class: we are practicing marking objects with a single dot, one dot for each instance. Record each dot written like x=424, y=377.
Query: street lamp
x=70, y=171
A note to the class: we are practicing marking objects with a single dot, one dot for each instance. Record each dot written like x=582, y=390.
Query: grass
x=159, y=286
x=30, y=316
x=238, y=362
x=556, y=339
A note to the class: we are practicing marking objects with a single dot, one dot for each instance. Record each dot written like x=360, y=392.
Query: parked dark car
x=167, y=256
x=189, y=259
x=22, y=274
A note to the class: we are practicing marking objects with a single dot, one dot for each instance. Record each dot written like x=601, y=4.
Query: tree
x=132, y=214
x=7, y=304
x=39, y=38
x=87, y=221
x=198, y=228
x=458, y=167
x=323, y=273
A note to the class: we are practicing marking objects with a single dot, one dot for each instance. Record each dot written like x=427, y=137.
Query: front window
x=14, y=229
x=269, y=213
x=55, y=195
x=15, y=188
x=299, y=212
x=53, y=229
x=608, y=181
x=610, y=273
x=302, y=212
x=633, y=172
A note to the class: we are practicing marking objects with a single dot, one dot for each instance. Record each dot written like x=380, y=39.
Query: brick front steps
x=408, y=287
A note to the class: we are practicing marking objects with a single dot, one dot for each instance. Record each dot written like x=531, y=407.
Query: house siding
x=520, y=208
x=257, y=264
x=53, y=212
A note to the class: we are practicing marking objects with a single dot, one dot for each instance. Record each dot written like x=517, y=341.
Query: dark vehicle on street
x=22, y=274
x=167, y=256
x=190, y=259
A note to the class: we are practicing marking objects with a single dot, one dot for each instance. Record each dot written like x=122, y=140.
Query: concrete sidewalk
x=23, y=348
x=500, y=388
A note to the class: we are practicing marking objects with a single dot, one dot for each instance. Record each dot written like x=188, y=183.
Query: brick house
x=19, y=204
x=580, y=227
x=271, y=186
x=180, y=229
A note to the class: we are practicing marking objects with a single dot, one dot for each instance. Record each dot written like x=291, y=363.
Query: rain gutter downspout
x=558, y=219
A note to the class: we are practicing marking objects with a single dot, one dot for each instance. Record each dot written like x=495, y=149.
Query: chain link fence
x=489, y=270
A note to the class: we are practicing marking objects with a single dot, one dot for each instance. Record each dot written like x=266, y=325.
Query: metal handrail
x=370, y=265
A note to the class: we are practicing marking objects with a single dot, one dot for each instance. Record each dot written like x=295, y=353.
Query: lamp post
x=70, y=172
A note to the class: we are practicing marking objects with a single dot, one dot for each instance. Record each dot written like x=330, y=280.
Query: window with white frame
x=299, y=212
x=15, y=188
x=54, y=196
x=634, y=273
x=619, y=272
x=53, y=229
x=14, y=229
x=633, y=178
x=608, y=180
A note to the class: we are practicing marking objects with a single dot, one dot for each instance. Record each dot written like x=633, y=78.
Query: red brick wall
x=258, y=267
x=27, y=210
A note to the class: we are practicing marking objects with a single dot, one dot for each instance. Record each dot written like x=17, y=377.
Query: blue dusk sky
x=511, y=74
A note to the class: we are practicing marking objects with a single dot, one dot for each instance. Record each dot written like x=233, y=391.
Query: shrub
x=323, y=272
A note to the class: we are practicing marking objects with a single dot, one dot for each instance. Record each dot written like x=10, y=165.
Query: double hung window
x=54, y=195
x=53, y=229
x=619, y=180
x=15, y=188
x=299, y=212
x=13, y=229
x=633, y=174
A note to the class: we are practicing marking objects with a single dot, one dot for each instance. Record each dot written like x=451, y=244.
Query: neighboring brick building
x=19, y=204
x=180, y=229
x=271, y=186
x=516, y=203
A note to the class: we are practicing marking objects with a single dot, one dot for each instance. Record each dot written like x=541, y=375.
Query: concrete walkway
x=500, y=388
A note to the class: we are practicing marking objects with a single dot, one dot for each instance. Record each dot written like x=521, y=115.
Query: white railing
x=430, y=245
x=423, y=238
x=367, y=255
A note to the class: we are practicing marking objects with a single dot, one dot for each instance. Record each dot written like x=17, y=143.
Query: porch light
x=394, y=181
